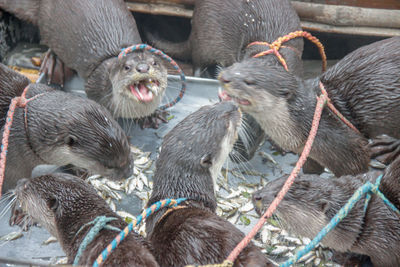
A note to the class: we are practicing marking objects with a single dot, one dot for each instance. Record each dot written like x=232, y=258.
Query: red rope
x=19, y=101
x=322, y=100
x=335, y=111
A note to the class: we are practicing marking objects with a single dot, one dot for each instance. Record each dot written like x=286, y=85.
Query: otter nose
x=142, y=67
x=257, y=196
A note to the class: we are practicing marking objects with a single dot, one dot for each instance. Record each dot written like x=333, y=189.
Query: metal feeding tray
x=240, y=181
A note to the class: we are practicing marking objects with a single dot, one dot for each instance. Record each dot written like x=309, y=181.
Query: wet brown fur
x=363, y=86
x=190, y=158
x=61, y=129
x=63, y=204
x=87, y=36
x=312, y=201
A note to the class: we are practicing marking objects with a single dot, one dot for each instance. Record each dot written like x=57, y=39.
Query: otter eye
x=206, y=161
x=249, y=82
x=127, y=67
x=70, y=140
x=52, y=204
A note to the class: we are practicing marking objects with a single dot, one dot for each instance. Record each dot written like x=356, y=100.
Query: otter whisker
x=7, y=207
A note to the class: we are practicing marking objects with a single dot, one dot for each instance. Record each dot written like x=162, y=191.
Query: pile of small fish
x=233, y=204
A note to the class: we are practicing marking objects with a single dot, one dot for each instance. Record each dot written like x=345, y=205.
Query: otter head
x=138, y=82
x=81, y=133
x=268, y=93
x=310, y=204
x=193, y=152
x=60, y=201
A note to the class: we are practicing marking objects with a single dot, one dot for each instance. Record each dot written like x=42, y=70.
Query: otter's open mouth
x=144, y=90
x=225, y=96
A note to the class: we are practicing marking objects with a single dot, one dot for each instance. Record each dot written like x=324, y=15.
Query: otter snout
x=143, y=67
x=257, y=199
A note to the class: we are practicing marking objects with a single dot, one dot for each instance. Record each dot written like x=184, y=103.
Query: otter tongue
x=142, y=92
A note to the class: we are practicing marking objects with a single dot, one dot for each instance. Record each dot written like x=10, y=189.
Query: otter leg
x=154, y=120
x=312, y=167
x=385, y=148
x=55, y=70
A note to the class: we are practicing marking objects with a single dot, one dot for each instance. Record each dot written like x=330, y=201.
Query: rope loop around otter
x=21, y=102
x=335, y=111
x=367, y=188
x=277, y=44
x=99, y=223
x=164, y=56
x=146, y=213
x=322, y=100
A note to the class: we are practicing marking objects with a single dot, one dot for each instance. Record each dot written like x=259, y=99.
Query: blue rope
x=125, y=51
x=368, y=187
x=146, y=213
x=99, y=223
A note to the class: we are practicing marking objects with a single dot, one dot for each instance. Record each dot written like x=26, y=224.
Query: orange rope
x=335, y=111
x=322, y=100
x=19, y=101
x=277, y=44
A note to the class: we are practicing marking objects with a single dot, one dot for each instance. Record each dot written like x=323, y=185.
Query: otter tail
x=23, y=9
x=12, y=84
x=180, y=50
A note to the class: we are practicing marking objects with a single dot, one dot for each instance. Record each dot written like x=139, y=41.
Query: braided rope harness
x=146, y=213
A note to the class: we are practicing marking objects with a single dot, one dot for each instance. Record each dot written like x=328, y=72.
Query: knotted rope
x=161, y=54
x=99, y=223
x=367, y=188
x=21, y=102
x=277, y=44
x=146, y=213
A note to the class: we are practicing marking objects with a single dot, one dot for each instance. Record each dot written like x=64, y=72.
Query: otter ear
x=324, y=205
x=53, y=204
x=70, y=140
x=206, y=161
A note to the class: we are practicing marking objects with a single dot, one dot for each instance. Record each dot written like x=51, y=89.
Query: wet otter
x=87, y=36
x=312, y=201
x=64, y=205
x=60, y=129
x=363, y=86
x=221, y=32
x=191, y=157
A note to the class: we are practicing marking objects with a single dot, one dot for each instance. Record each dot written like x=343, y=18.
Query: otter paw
x=384, y=148
x=154, y=120
x=55, y=70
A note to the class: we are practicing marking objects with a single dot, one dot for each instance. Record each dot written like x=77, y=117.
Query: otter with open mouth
x=65, y=205
x=59, y=129
x=190, y=160
x=87, y=36
x=364, y=86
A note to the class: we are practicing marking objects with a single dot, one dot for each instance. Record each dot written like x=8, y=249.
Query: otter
x=191, y=157
x=59, y=129
x=312, y=201
x=221, y=32
x=64, y=205
x=87, y=36
x=363, y=86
